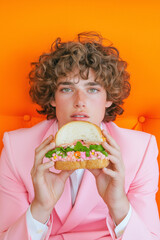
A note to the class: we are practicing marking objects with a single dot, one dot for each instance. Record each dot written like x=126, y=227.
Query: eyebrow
x=86, y=84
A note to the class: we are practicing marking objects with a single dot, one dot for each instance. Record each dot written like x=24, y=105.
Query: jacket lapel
x=53, y=128
x=87, y=198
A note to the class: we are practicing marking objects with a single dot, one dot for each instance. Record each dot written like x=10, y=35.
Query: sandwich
x=78, y=144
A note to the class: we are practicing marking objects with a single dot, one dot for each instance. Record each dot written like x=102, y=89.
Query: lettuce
x=60, y=151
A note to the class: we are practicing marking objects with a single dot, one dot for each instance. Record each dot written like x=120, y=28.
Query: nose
x=80, y=100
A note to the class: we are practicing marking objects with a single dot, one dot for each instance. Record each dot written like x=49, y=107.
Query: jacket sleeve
x=144, y=222
x=13, y=198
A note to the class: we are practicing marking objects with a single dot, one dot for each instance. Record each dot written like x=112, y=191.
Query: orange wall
x=29, y=27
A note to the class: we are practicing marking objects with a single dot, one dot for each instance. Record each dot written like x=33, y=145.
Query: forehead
x=74, y=78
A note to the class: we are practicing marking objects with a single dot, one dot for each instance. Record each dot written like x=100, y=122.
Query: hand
x=48, y=186
x=110, y=181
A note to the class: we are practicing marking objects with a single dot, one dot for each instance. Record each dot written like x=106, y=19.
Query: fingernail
x=105, y=131
x=51, y=163
x=105, y=170
x=51, y=138
x=52, y=144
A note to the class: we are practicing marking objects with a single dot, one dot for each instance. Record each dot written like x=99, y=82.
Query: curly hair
x=84, y=53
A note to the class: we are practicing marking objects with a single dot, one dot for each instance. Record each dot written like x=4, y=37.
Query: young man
x=79, y=80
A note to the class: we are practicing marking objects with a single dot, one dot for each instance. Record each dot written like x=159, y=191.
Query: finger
x=109, y=172
x=65, y=174
x=115, y=161
x=42, y=168
x=110, y=149
x=44, y=143
x=40, y=155
x=110, y=140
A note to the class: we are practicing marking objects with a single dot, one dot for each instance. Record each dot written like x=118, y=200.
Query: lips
x=79, y=115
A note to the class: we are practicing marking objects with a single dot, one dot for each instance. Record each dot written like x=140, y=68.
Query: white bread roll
x=80, y=130
x=77, y=130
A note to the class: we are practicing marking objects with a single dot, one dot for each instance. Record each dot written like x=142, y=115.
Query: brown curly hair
x=84, y=53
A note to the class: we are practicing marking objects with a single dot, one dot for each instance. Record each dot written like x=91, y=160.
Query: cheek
x=101, y=102
x=60, y=100
x=99, y=105
x=62, y=106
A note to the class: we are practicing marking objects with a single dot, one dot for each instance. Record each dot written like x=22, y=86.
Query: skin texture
x=80, y=97
x=75, y=95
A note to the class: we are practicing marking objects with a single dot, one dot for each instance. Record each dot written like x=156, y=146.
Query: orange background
x=29, y=27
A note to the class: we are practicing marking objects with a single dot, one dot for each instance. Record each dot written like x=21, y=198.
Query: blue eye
x=93, y=90
x=65, y=90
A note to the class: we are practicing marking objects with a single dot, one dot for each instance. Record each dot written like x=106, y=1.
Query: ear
x=108, y=103
x=53, y=103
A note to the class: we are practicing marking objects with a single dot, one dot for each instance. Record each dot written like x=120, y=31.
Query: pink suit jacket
x=89, y=218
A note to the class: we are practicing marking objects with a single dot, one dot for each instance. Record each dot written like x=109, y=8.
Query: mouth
x=79, y=116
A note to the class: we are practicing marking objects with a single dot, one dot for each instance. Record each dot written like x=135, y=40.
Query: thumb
x=95, y=172
x=65, y=174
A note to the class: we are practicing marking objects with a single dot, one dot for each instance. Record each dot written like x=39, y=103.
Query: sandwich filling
x=78, y=151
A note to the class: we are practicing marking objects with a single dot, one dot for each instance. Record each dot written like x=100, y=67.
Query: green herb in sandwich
x=60, y=151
